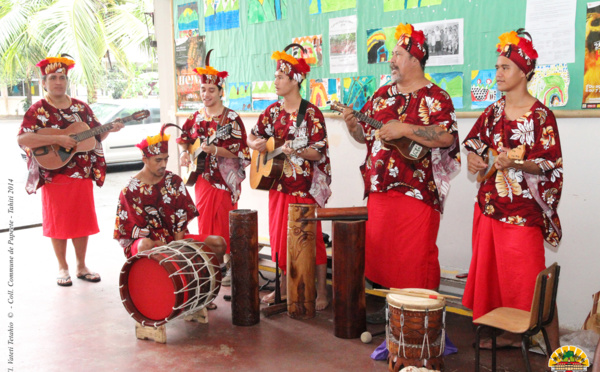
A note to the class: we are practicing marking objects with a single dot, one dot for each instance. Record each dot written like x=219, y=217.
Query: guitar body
x=264, y=172
x=54, y=156
x=408, y=148
x=196, y=166
x=518, y=153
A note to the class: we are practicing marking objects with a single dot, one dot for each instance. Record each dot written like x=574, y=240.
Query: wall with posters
x=245, y=52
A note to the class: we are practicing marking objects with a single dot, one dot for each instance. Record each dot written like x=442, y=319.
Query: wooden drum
x=169, y=281
x=415, y=330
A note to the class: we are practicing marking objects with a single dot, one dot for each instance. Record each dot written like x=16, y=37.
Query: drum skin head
x=151, y=290
x=415, y=303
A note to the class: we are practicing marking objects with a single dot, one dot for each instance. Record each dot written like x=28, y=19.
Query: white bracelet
x=216, y=150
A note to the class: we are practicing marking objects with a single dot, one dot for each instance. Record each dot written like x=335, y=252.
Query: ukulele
x=518, y=153
x=198, y=157
x=408, y=148
x=267, y=167
x=55, y=156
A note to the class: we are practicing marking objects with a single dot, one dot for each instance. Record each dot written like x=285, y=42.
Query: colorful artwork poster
x=323, y=91
x=591, y=69
x=304, y=88
x=189, y=54
x=263, y=94
x=452, y=83
x=484, y=90
x=357, y=90
x=325, y=6
x=380, y=44
x=260, y=11
x=385, y=80
x=550, y=84
x=313, y=46
x=187, y=20
x=391, y=5
x=240, y=96
x=221, y=14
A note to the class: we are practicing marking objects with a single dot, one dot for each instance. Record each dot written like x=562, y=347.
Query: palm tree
x=88, y=30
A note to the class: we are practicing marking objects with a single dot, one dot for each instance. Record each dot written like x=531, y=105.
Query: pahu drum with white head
x=415, y=330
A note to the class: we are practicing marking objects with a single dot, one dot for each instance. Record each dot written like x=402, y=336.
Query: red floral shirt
x=203, y=126
x=89, y=164
x=301, y=177
x=511, y=195
x=385, y=168
x=156, y=211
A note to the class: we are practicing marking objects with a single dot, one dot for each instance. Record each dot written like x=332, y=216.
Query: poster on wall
x=240, y=96
x=260, y=11
x=342, y=45
x=189, y=54
x=323, y=91
x=313, y=45
x=446, y=41
x=591, y=63
x=221, y=14
x=484, y=89
x=551, y=24
x=357, y=90
x=550, y=84
x=385, y=80
x=391, y=5
x=452, y=83
x=325, y=6
x=380, y=44
x=187, y=20
x=263, y=94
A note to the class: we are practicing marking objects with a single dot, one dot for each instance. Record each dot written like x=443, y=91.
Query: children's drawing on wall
x=221, y=14
x=323, y=91
x=325, y=6
x=484, y=90
x=313, y=47
x=357, y=90
x=452, y=83
x=391, y=5
x=240, y=96
x=260, y=11
x=187, y=20
x=550, y=84
x=263, y=94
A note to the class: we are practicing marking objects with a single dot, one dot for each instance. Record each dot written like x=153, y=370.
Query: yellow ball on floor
x=366, y=337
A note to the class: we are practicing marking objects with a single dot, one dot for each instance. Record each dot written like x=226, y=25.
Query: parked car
x=120, y=147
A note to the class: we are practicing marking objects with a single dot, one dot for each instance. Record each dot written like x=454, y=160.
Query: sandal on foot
x=90, y=277
x=64, y=281
x=211, y=306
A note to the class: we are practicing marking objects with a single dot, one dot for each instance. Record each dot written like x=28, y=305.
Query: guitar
x=55, y=156
x=408, y=148
x=518, y=153
x=267, y=167
x=198, y=157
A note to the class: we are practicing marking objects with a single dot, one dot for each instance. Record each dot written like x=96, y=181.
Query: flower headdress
x=209, y=75
x=295, y=68
x=158, y=144
x=55, y=64
x=518, y=49
x=412, y=40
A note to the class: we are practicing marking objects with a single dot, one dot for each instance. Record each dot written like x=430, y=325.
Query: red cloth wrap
x=198, y=238
x=68, y=208
x=278, y=225
x=214, y=206
x=402, y=254
x=506, y=261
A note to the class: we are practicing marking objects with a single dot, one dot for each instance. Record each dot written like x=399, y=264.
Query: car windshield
x=103, y=111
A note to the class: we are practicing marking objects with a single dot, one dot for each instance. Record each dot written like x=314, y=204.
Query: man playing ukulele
x=406, y=198
x=515, y=209
x=67, y=192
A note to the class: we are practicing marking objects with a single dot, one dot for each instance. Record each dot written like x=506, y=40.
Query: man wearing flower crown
x=68, y=210
x=306, y=172
x=154, y=207
x=515, y=209
x=218, y=188
x=406, y=197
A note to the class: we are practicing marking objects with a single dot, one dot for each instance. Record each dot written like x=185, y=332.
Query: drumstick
x=417, y=294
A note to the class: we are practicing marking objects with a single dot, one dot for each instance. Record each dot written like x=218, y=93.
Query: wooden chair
x=525, y=323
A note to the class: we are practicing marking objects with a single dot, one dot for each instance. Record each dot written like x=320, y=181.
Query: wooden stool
x=159, y=334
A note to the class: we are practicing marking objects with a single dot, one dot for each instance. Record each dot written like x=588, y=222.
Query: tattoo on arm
x=358, y=134
x=429, y=133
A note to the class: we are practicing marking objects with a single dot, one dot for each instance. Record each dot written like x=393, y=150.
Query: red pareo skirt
x=68, y=209
x=213, y=206
x=506, y=261
x=400, y=248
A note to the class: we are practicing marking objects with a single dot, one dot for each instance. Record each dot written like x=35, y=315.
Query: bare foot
x=270, y=298
x=322, y=302
x=502, y=341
